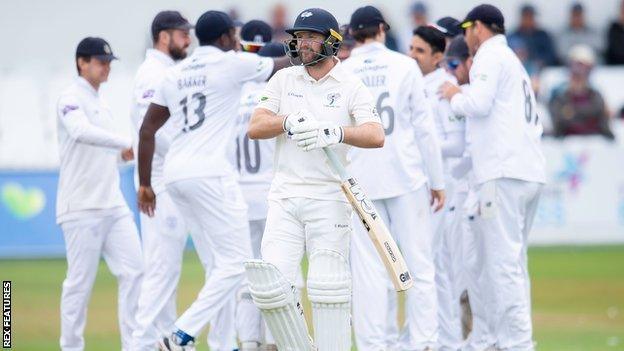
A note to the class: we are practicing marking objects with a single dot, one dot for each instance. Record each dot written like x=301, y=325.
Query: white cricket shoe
x=168, y=344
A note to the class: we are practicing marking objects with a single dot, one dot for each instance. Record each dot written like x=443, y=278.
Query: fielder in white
x=254, y=161
x=164, y=235
x=200, y=95
x=504, y=142
x=307, y=107
x=90, y=207
x=395, y=179
x=427, y=48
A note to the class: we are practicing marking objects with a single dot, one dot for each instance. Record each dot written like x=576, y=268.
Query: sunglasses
x=466, y=25
x=452, y=64
x=249, y=46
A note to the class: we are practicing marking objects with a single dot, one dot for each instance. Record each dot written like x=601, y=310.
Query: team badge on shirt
x=332, y=99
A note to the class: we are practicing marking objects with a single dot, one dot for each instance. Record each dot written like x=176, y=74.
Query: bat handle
x=336, y=165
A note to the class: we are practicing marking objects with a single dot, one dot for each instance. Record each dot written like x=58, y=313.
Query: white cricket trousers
x=214, y=209
x=86, y=240
x=506, y=211
x=163, y=237
x=449, y=262
x=408, y=218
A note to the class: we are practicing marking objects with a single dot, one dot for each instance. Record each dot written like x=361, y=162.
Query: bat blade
x=378, y=232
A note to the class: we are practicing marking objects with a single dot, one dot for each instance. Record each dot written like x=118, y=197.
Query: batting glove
x=295, y=119
x=310, y=136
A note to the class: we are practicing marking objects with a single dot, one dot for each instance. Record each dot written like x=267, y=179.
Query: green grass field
x=578, y=300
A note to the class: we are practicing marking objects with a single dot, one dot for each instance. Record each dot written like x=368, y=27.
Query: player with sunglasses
x=427, y=48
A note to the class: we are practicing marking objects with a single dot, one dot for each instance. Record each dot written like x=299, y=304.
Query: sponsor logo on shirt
x=332, y=99
x=293, y=94
x=148, y=93
x=194, y=66
x=68, y=108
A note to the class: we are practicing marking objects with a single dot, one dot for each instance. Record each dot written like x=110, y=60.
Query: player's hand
x=448, y=90
x=295, y=119
x=127, y=154
x=437, y=199
x=310, y=137
x=147, y=200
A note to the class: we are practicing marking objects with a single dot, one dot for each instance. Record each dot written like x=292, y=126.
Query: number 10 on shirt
x=377, y=230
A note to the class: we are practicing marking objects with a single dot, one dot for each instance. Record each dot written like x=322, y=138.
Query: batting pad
x=278, y=300
x=329, y=291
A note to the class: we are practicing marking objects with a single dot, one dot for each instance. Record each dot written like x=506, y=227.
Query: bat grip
x=336, y=165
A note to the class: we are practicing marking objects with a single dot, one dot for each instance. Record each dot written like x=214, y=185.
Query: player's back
x=253, y=158
x=390, y=77
x=203, y=94
x=507, y=142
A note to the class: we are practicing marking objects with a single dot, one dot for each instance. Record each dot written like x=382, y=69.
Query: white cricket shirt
x=203, y=94
x=411, y=144
x=339, y=97
x=89, y=150
x=451, y=127
x=503, y=129
x=254, y=158
x=147, y=79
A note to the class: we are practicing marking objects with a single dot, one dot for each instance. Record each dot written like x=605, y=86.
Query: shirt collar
x=160, y=56
x=337, y=72
x=498, y=39
x=366, y=48
x=86, y=86
x=207, y=50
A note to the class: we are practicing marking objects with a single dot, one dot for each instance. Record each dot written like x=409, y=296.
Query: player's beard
x=310, y=57
x=177, y=53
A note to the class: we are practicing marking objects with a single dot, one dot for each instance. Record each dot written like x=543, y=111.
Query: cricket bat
x=377, y=230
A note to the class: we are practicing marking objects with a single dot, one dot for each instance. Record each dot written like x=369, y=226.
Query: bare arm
x=265, y=124
x=155, y=117
x=367, y=135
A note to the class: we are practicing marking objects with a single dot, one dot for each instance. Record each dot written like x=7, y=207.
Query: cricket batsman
x=308, y=107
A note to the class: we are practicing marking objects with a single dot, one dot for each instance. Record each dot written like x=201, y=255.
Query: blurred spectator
x=540, y=47
x=578, y=32
x=418, y=17
x=521, y=50
x=615, y=40
x=348, y=42
x=279, y=22
x=576, y=108
x=418, y=12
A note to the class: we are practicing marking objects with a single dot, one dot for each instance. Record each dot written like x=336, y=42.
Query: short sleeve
x=162, y=90
x=251, y=67
x=271, y=96
x=361, y=107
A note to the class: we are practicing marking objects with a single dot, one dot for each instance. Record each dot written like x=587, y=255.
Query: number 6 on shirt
x=377, y=230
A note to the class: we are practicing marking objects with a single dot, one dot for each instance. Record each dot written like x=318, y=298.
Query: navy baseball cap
x=457, y=48
x=95, y=47
x=169, y=20
x=367, y=16
x=449, y=26
x=486, y=14
x=212, y=24
x=256, y=31
x=272, y=49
